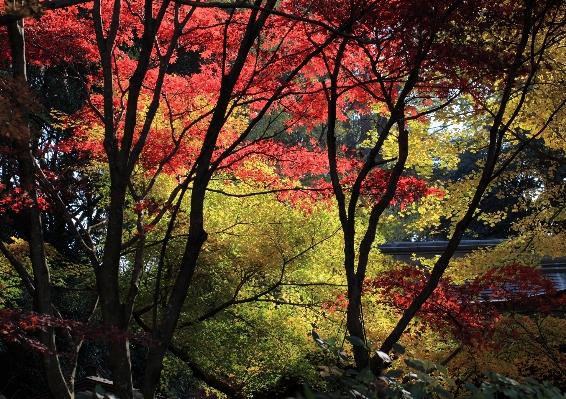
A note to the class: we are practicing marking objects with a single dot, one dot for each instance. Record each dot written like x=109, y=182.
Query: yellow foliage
x=430, y=147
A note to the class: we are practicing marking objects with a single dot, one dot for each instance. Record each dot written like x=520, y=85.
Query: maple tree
x=469, y=310
x=495, y=101
x=150, y=133
x=260, y=278
x=506, y=319
x=141, y=123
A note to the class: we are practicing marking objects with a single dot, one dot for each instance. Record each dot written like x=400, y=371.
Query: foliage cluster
x=417, y=380
x=212, y=173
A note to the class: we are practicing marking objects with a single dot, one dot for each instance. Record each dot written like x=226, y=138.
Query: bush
x=421, y=380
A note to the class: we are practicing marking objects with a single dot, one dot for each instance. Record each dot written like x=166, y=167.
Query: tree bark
x=42, y=281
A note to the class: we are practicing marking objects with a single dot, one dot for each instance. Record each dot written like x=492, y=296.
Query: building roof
x=553, y=268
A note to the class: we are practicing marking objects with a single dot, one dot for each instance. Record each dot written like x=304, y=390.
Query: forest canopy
x=189, y=188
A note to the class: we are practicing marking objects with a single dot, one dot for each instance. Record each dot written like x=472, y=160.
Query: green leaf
x=319, y=341
x=395, y=373
x=442, y=392
x=417, y=392
x=307, y=389
x=471, y=387
x=343, y=356
x=415, y=364
x=450, y=381
x=555, y=394
x=427, y=378
x=513, y=394
x=400, y=349
x=442, y=369
x=384, y=356
x=99, y=391
x=428, y=365
x=355, y=341
x=366, y=375
x=315, y=335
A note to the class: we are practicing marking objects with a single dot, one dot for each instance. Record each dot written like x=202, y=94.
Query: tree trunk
x=42, y=281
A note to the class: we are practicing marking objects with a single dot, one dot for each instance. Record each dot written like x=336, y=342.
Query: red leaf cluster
x=64, y=39
x=19, y=328
x=468, y=311
x=301, y=175
x=17, y=200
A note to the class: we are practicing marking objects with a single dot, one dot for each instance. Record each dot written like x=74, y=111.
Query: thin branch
x=20, y=268
x=24, y=12
x=279, y=190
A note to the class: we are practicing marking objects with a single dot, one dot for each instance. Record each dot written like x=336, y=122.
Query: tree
x=148, y=123
x=521, y=47
x=154, y=133
x=123, y=56
x=261, y=277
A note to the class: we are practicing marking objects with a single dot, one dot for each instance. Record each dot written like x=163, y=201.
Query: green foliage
x=419, y=379
x=246, y=317
x=176, y=378
x=496, y=384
